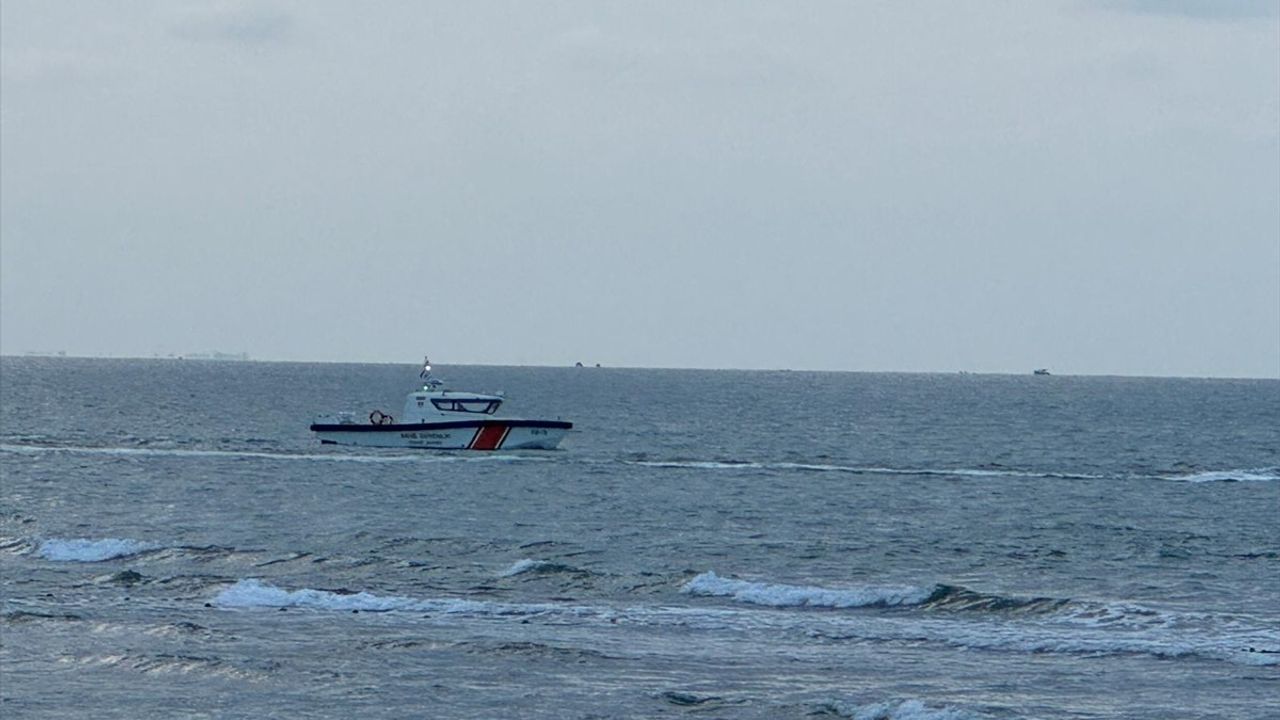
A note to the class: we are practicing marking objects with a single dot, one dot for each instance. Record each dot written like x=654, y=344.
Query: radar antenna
x=429, y=381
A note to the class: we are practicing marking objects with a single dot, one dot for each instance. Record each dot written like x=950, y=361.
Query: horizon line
x=246, y=358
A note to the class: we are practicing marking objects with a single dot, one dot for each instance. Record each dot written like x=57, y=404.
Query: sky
x=1091, y=186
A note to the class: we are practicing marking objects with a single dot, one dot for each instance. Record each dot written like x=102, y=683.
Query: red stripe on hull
x=489, y=437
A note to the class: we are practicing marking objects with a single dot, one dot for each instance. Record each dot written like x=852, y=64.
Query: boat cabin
x=430, y=403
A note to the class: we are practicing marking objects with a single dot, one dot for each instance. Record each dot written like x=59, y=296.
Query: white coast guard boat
x=440, y=419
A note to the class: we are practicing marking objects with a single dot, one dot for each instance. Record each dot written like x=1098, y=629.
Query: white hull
x=494, y=435
x=438, y=419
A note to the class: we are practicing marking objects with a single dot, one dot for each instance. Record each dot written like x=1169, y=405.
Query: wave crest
x=253, y=593
x=1243, y=475
x=540, y=567
x=88, y=550
x=904, y=710
x=959, y=598
x=781, y=595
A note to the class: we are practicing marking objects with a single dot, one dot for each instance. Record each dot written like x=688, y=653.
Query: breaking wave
x=254, y=593
x=936, y=598
x=952, y=598
x=945, y=615
x=961, y=599
x=540, y=567
x=966, y=618
x=777, y=595
x=87, y=550
x=903, y=710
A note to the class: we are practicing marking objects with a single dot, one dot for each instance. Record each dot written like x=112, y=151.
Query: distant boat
x=1040, y=371
x=439, y=419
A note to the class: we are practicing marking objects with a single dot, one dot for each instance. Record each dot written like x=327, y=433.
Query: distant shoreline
x=243, y=358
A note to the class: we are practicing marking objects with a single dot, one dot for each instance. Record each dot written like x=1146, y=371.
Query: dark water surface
x=711, y=544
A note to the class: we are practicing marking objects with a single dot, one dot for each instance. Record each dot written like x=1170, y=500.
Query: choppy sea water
x=709, y=544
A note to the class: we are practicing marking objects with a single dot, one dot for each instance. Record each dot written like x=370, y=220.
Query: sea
x=705, y=544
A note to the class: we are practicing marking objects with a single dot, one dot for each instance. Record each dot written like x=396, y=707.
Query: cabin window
x=468, y=406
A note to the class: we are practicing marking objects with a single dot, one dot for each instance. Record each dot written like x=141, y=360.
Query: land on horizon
x=246, y=358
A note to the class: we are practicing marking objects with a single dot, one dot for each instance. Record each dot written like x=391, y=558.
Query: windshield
x=486, y=407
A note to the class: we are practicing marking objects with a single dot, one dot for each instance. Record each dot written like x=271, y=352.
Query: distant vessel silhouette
x=440, y=419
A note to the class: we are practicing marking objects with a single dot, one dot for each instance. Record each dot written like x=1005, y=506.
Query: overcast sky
x=1091, y=186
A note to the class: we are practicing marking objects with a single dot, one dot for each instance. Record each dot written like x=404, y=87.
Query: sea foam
x=780, y=595
x=904, y=710
x=540, y=567
x=1244, y=475
x=1270, y=474
x=520, y=567
x=86, y=550
x=253, y=593
x=736, y=465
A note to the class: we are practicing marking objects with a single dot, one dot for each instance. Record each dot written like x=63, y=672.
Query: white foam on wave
x=904, y=710
x=257, y=455
x=1242, y=475
x=523, y=566
x=1245, y=475
x=1239, y=642
x=699, y=464
x=1086, y=628
x=87, y=550
x=253, y=593
x=780, y=595
x=861, y=469
x=1027, y=635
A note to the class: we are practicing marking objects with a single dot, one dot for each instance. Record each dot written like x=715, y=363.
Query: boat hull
x=493, y=434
